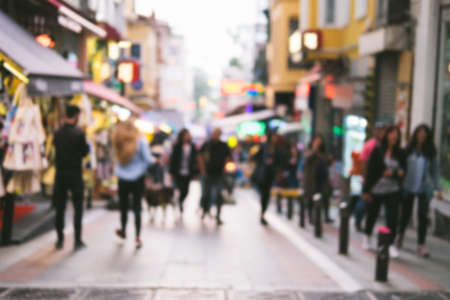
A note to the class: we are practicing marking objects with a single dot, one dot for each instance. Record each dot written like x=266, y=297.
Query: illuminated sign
x=295, y=42
x=303, y=90
x=113, y=50
x=45, y=40
x=255, y=89
x=251, y=128
x=312, y=40
x=128, y=71
x=233, y=87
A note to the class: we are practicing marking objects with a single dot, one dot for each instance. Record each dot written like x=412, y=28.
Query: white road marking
x=342, y=278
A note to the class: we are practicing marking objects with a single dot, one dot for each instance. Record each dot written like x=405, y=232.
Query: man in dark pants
x=212, y=159
x=71, y=146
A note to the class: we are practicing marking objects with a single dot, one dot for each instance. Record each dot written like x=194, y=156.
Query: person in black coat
x=316, y=178
x=268, y=162
x=383, y=184
x=183, y=164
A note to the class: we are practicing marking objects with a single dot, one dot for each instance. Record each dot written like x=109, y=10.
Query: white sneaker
x=393, y=252
x=367, y=243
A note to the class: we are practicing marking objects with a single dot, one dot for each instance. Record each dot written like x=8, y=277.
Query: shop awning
x=234, y=121
x=107, y=94
x=49, y=73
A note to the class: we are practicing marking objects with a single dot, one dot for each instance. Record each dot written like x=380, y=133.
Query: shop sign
x=302, y=93
x=340, y=94
x=230, y=87
x=69, y=24
x=312, y=40
x=128, y=71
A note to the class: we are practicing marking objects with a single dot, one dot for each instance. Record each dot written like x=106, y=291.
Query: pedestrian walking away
x=183, y=165
x=212, y=159
x=70, y=148
x=316, y=176
x=360, y=205
x=421, y=179
x=133, y=159
x=268, y=160
x=382, y=185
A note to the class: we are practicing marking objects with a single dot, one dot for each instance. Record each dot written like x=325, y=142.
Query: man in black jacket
x=70, y=146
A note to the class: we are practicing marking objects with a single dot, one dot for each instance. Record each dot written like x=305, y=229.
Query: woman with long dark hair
x=316, y=176
x=267, y=164
x=183, y=164
x=421, y=179
x=383, y=185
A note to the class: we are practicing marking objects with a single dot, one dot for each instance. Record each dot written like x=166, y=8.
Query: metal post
x=302, y=211
x=317, y=215
x=290, y=207
x=382, y=263
x=89, y=198
x=8, y=217
x=343, y=228
x=279, y=209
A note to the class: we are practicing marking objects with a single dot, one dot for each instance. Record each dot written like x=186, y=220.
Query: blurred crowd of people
x=392, y=177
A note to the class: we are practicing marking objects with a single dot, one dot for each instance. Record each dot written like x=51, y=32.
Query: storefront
x=441, y=113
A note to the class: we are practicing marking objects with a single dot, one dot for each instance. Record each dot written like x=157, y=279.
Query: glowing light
x=45, y=40
x=233, y=87
x=105, y=71
x=295, y=42
x=144, y=126
x=232, y=142
x=126, y=72
x=230, y=167
x=251, y=128
x=122, y=113
x=165, y=128
x=311, y=40
x=303, y=90
x=124, y=44
x=203, y=101
x=113, y=50
x=16, y=72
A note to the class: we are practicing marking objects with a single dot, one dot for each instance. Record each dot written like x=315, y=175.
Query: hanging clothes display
x=25, y=154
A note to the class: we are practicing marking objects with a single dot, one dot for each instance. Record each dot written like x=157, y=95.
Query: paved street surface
x=190, y=259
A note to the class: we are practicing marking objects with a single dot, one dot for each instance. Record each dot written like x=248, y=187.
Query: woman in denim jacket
x=422, y=178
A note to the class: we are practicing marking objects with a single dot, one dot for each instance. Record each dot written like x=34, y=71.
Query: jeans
x=183, y=186
x=64, y=182
x=390, y=202
x=212, y=189
x=135, y=189
x=407, y=206
x=360, y=210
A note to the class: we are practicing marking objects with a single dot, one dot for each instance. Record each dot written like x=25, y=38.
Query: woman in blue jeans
x=422, y=178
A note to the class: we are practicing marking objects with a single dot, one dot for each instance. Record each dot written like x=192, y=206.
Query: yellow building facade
x=142, y=34
x=282, y=79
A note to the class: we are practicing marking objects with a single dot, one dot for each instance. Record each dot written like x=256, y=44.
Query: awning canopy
x=234, y=121
x=107, y=94
x=49, y=73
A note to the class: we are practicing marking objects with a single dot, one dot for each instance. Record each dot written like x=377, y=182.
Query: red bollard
x=382, y=263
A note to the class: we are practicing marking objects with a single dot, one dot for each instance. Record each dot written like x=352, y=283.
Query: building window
x=360, y=9
x=136, y=51
x=381, y=9
x=330, y=11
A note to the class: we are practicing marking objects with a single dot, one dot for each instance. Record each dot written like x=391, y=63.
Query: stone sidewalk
x=206, y=294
